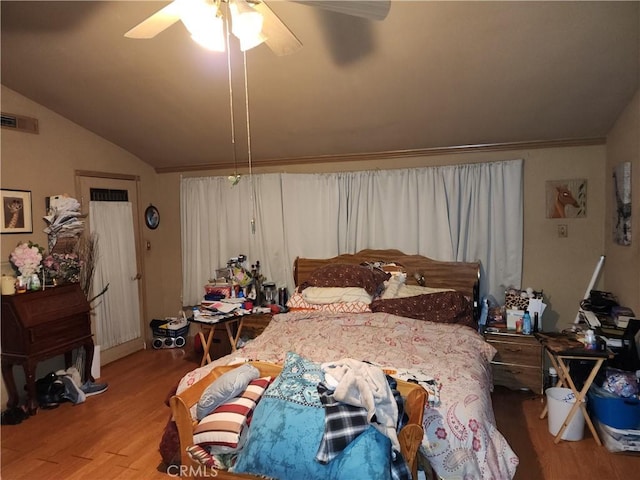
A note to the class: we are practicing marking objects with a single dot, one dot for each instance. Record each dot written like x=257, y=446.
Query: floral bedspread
x=461, y=439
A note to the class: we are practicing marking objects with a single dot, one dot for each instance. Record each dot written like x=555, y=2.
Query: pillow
x=442, y=307
x=297, y=302
x=392, y=286
x=224, y=430
x=287, y=427
x=325, y=295
x=227, y=386
x=344, y=275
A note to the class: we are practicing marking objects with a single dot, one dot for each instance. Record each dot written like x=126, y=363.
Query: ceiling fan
x=253, y=22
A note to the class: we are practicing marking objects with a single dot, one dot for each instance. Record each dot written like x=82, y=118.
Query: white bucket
x=95, y=364
x=559, y=403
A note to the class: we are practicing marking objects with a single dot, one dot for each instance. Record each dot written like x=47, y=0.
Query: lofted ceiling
x=431, y=75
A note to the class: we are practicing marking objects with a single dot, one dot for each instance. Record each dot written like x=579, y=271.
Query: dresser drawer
x=53, y=334
x=518, y=353
x=517, y=377
x=518, y=360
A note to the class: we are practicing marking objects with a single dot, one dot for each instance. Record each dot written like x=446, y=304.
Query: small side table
x=255, y=321
x=561, y=347
x=207, y=331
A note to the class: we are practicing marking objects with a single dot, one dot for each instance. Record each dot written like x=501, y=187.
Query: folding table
x=561, y=348
x=208, y=328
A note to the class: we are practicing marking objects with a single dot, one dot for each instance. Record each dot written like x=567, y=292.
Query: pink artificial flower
x=26, y=258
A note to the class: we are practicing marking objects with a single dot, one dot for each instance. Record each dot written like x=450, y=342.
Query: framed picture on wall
x=566, y=198
x=622, y=204
x=16, y=211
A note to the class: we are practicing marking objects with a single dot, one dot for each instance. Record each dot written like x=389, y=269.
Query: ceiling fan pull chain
x=251, y=186
x=233, y=129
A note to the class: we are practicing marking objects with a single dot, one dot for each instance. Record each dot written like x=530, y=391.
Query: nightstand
x=254, y=324
x=519, y=361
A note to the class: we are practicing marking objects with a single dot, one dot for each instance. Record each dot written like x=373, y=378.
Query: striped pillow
x=223, y=431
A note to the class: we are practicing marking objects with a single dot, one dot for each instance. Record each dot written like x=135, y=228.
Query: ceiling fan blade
x=280, y=39
x=371, y=9
x=156, y=23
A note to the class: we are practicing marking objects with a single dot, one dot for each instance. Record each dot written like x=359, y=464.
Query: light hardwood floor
x=518, y=418
x=116, y=435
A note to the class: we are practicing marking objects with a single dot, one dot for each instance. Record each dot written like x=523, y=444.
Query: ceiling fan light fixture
x=213, y=42
x=246, y=24
x=204, y=23
x=213, y=38
x=247, y=42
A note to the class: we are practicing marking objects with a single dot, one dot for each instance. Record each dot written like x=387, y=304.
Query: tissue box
x=512, y=317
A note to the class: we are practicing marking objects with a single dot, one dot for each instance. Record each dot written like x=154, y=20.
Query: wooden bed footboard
x=410, y=437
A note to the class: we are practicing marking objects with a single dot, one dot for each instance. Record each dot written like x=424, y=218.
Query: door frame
x=115, y=352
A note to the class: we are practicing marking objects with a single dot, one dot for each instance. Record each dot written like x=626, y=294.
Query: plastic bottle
x=552, y=379
x=526, y=323
x=196, y=313
x=590, y=340
x=536, y=323
x=484, y=313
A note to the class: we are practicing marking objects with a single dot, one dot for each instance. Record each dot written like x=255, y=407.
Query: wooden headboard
x=461, y=276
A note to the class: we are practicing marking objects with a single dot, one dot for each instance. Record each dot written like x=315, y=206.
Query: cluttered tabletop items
x=235, y=294
x=573, y=344
x=238, y=291
x=521, y=312
x=600, y=319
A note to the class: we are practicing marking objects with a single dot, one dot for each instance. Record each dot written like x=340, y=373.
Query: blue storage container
x=617, y=412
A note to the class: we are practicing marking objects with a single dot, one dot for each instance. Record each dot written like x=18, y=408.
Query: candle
x=8, y=285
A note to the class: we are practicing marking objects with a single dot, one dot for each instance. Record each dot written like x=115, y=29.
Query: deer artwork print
x=564, y=197
x=14, y=207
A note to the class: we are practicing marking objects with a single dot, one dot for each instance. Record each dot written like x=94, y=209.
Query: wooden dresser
x=40, y=325
x=519, y=361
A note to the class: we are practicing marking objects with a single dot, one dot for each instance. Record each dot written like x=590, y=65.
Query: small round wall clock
x=151, y=217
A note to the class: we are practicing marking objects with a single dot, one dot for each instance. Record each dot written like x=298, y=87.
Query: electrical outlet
x=563, y=231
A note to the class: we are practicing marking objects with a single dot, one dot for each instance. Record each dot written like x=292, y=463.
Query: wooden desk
x=562, y=347
x=40, y=325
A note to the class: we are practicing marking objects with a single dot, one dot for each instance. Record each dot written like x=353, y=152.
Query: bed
x=427, y=337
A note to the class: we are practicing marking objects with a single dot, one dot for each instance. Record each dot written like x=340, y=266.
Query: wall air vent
x=20, y=123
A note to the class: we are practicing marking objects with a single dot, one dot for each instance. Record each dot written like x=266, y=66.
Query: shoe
x=14, y=416
x=72, y=392
x=89, y=388
x=73, y=373
x=50, y=391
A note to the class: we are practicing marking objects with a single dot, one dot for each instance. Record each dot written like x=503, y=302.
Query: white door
x=111, y=206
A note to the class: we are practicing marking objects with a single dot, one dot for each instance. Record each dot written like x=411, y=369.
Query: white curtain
x=117, y=312
x=453, y=213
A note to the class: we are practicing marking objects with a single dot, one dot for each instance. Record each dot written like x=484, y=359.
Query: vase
x=22, y=283
x=35, y=282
